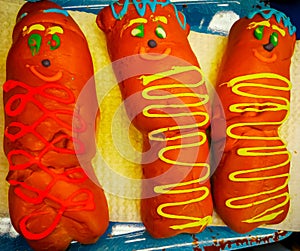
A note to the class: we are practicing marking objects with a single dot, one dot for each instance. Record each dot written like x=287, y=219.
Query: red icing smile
x=271, y=59
x=154, y=56
x=57, y=76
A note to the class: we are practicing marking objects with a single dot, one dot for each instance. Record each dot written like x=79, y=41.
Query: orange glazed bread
x=250, y=185
x=166, y=99
x=49, y=131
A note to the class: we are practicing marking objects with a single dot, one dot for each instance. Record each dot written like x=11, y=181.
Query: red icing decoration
x=66, y=205
x=69, y=204
x=53, y=43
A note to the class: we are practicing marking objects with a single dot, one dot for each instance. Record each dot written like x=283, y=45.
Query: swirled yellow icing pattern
x=195, y=130
x=240, y=86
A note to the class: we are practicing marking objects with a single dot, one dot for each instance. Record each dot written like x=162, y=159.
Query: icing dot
x=152, y=43
x=46, y=62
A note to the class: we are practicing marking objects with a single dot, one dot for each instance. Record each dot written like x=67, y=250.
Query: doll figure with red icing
x=165, y=97
x=54, y=197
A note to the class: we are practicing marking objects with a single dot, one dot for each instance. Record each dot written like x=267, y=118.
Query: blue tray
x=132, y=236
x=200, y=15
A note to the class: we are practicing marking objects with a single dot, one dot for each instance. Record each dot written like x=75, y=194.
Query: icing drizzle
x=260, y=150
x=81, y=199
x=192, y=131
x=141, y=5
x=267, y=13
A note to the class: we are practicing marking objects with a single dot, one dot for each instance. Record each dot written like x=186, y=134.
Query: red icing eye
x=54, y=42
x=34, y=43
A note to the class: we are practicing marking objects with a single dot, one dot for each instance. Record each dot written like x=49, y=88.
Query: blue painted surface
x=203, y=16
x=132, y=236
x=199, y=14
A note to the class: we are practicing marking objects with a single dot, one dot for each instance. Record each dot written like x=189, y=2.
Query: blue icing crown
x=140, y=6
x=267, y=13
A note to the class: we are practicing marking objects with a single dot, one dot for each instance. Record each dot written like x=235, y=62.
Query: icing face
x=264, y=42
x=266, y=39
x=269, y=35
x=140, y=27
x=274, y=29
x=152, y=35
x=43, y=40
x=41, y=54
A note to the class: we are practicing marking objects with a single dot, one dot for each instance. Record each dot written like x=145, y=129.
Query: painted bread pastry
x=166, y=99
x=49, y=131
x=250, y=185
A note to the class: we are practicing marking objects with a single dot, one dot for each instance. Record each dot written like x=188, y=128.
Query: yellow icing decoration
x=139, y=20
x=34, y=27
x=281, y=31
x=131, y=22
x=162, y=19
x=180, y=131
x=266, y=23
x=55, y=29
x=238, y=85
x=253, y=25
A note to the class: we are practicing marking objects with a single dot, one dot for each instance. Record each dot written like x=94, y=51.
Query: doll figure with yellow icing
x=250, y=185
x=165, y=97
x=53, y=198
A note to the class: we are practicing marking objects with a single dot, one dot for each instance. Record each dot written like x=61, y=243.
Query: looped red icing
x=15, y=105
x=68, y=205
x=22, y=99
x=42, y=90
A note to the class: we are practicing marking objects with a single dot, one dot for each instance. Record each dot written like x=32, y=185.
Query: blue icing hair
x=51, y=10
x=269, y=12
x=141, y=5
x=23, y=15
x=59, y=11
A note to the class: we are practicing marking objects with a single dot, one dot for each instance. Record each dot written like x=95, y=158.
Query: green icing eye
x=55, y=42
x=34, y=43
x=259, y=32
x=274, y=39
x=138, y=31
x=160, y=32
